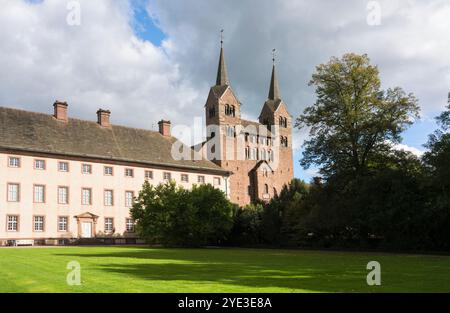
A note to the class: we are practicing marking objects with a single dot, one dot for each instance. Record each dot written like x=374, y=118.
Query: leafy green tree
x=353, y=120
x=247, y=228
x=171, y=215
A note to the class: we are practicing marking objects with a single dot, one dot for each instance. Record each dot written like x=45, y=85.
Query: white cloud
x=100, y=63
x=407, y=148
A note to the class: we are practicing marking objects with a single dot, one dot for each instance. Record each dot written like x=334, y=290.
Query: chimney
x=60, y=111
x=164, y=127
x=103, y=117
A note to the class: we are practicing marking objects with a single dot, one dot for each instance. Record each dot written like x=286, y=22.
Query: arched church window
x=266, y=188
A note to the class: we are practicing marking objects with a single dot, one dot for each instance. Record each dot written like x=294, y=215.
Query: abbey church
x=257, y=154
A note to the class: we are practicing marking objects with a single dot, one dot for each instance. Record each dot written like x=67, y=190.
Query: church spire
x=222, y=75
x=274, y=91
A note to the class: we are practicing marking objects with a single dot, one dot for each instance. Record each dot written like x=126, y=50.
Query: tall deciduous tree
x=353, y=121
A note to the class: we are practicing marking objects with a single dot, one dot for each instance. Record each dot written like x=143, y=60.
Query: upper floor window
x=284, y=141
x=109, y=198
x=201, y=179
x=217, y=181
x=13, y=192
x=129, y=196
x=247, y=153
x=63, y=166
x=39, y=193
x=129, y=172
x=109, y=171
x=39, y=164
x=230, y=110
x=167, y=176
x=12, y=222
x=86, y=196
x=63, y=195
x=283, y=122
x=13, y=162
x=86, y=169
x=185, y=178
x=230, y=131
x=148, y=174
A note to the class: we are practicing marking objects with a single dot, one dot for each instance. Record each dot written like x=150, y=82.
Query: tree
x=353, y=120
x=172, y=215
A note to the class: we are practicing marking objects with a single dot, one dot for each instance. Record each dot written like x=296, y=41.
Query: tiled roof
x=37, y=132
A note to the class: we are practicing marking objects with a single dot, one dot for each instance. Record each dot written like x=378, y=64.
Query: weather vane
x=221, y=37
x=273, y=55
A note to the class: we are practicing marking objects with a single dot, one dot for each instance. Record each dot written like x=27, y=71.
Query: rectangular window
x=201, y=179
x=185, y=178
x=38, y=223
x=63, y=166
x=109, y=197
x=148, y=174
x=39, y=193
x=86, y=169
x=109, y=171
x=12, y=222
x=63, y=195
x=109, y=224
x=167, y=176
x=129, y=172
x=39, y=164
x=217, y=181
x=86, y=196
x=129, y=226
x=13, y=192
x=14, y=162
x=62, y=223
x=129, y=196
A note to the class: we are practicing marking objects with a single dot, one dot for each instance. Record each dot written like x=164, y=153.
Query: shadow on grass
x=245, y=268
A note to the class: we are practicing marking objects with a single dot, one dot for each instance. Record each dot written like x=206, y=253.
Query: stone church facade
x=258, y=154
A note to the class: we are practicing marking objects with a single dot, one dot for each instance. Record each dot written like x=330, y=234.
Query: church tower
x=257, y=154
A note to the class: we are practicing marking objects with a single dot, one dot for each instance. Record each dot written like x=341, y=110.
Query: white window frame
x=128, y=171
x=39, y=164
x=63, y=195
x=86, y=168
x=39, y=193
x=84, y=198
x=108, y=198
x=63, y=166
x=13, y=194
x=128, y=199
x=12, y=223
x=129, y=225
x=108, y=171
x=39, y=223
x=15, y=164
x=63, y=223
x=109, y=225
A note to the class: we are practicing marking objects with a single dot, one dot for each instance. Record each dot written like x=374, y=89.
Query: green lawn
x=139, y=269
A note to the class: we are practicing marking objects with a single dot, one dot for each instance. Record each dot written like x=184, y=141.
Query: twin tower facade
x=258, y=155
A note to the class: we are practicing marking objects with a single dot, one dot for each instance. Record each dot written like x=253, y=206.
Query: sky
x=146, y=60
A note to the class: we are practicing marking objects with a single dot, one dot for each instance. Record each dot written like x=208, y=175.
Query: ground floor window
x=129, y=225
x=109, y=224
x=38, y=223
x=62, y=223
x=12, y=222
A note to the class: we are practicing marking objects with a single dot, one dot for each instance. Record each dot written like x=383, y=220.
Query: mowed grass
x=141, y=269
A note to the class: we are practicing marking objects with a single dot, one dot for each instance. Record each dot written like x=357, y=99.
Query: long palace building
x=63, y=178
